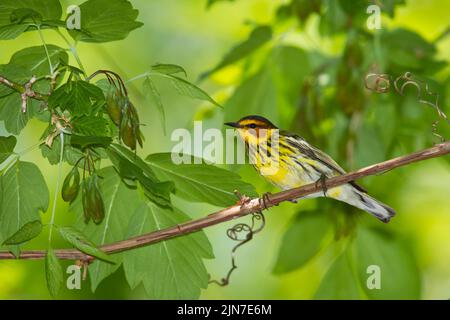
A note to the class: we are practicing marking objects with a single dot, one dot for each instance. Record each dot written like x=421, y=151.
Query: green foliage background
x=308, y=77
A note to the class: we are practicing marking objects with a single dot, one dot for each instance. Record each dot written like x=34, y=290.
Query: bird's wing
x=318, y=155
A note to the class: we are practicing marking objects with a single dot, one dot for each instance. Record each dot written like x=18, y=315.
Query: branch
x=24, y=90
x=236, y=211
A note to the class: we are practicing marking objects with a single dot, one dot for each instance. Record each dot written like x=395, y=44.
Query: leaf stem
x=73, y=49
x=45, y=48
x=140, y=76
x=149, y=74
x=58, y=180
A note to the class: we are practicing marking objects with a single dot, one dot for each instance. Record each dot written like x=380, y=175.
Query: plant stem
x=45, y=47
x=140, y=76
x=58, y=180
x=21, y=89
x=149, y=74
x=73, y=49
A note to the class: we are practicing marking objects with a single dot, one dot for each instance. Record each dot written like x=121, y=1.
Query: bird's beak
x=232, y=124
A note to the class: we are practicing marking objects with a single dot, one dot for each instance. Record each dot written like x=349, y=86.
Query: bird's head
x=253, y=128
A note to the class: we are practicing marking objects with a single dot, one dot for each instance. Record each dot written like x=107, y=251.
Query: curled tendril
x=241, y=233
x=381, y=83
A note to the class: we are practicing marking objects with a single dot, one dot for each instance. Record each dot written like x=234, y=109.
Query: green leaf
x=155, y=99
x=53, y=273
x=132, y=167
x=334, y=19
x=91, y=126
x=47, y=10
x=34, y=59
x=200, y=182
x=259, y=36
x=25, y=14
x=303, y=239
x=79, y=97
x=171, y=269
x=11, y=112
x=399, y=274
x=408, y=50
x=106, y=20
x=24, y=193
x=7, y=145
x=187, y=88
x=129, y=163
x=167, y=68
x=12, y=31
x=85, y=141
x=120, y=204
x=339, y=283
x=71, y=154
x=79, y=241
x=13, y=73
x=28, y=231
x=15, y=250
x=301, y=9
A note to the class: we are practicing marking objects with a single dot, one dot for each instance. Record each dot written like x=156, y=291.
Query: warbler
x=298, y=163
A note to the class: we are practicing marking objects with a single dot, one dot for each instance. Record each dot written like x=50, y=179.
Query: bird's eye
x=253, y=126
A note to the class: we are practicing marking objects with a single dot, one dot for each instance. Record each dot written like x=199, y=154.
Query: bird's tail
x=365, y=202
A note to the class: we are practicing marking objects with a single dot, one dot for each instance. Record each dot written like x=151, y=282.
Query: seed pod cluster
x=124, y=115
x=71, y=185
x=93, y=206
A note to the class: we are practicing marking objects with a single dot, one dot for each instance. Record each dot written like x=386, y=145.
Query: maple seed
x=71, y=185
x=129, y=126
x=113, y=107
x=93, y=206
x=99, y=208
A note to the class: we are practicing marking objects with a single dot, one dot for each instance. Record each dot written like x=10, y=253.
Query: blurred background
x=309, y=78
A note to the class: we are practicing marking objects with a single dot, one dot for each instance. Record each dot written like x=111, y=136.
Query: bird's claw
x=266, y=201
x=322, y=180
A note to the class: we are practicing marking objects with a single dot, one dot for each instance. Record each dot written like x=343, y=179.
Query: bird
x=298, y=163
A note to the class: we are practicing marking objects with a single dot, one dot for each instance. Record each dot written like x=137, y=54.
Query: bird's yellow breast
x=289, y=176
x=283, y=174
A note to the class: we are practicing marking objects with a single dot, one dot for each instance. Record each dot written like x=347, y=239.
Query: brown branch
x=24, y=90
x=253, y=205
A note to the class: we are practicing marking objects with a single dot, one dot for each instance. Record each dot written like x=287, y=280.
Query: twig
x=27, y=93
x=381, y=83
x=24, y=90
x=236, y=211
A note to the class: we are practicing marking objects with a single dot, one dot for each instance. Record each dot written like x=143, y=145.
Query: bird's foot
x=322, y=180
x=265, y=201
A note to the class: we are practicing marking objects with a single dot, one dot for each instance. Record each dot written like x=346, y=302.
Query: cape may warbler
x=288, y=161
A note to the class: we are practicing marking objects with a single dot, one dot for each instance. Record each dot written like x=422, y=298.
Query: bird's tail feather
x=371, y=205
